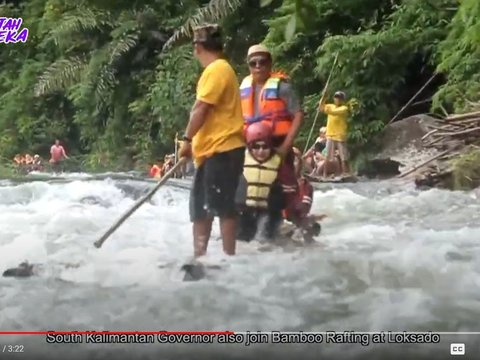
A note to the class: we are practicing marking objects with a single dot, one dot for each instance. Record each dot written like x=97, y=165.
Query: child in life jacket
x=261, y=195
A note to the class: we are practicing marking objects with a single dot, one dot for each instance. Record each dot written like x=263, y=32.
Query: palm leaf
x=214, y=11
x=123, y=46
x=104, y=87
x=80, y=20
x=60, y=75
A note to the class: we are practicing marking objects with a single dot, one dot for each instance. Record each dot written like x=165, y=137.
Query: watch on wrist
x=186, y=138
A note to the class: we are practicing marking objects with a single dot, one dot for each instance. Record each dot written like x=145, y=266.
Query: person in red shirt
x=58, y=154
x=156, y=171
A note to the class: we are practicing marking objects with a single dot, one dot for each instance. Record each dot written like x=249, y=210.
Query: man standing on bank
x=214, y=137
x=268, y=97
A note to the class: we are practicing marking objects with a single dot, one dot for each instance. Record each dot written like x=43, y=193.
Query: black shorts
x=57, y=166
x=215, y=184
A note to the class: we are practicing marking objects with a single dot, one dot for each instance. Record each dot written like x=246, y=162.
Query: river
x=389, y=258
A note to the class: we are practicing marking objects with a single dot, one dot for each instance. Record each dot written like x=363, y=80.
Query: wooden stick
x=434, y=141
x=321, y=99
x=458, y=124
x=460, y=132
x=413, y=98
x=445, y=112
x=311, y=131
x=176, y=146
x=467, y=121
x=463, y=116
x=424, y=163
x=444, y=127
x=428, y=134
x=125, y=216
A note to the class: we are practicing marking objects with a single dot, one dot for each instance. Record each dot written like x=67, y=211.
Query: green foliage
x=116, y=80
x=466, y=170
x=379, y=45
x=458, y=58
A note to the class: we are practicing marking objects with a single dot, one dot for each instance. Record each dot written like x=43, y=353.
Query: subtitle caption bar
x=247, y=338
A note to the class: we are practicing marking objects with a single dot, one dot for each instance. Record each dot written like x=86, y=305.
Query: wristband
x=186, y=138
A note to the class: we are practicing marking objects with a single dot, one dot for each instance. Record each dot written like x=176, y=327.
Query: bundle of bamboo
x=463, y=129
x=450, y=135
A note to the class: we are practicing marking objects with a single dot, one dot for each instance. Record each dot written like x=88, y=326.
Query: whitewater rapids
x=389, y=258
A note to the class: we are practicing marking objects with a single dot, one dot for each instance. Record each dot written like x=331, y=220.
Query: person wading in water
x=214, y=136
x=57, y=153
x=268, y=98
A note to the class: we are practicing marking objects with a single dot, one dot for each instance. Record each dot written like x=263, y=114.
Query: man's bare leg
x=201, y=234
x=228, y=229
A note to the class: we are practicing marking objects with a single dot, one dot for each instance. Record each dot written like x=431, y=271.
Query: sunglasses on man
x=258, y=62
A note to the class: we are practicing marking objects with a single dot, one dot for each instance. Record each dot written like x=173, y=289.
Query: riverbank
x=431, y=152
x=74, y=164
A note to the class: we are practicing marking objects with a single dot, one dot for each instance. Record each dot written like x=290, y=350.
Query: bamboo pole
x=139, y=203
x=413, y=98
x=324, y=91
x=463, y=116
x=423, y=164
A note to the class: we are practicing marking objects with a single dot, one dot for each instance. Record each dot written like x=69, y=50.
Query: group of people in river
x=316, y=160
x=241, y=139
x=28, y=163
x=159, y=169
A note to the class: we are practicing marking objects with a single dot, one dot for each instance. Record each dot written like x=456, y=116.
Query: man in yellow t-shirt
x=337, y=130
x=214, y=136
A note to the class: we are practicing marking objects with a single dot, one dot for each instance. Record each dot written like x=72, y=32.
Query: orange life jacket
x=272, y=109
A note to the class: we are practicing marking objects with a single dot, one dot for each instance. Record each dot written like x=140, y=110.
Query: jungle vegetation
x=115, y=80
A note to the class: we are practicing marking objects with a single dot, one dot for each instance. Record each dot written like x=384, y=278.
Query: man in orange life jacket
x=267, y=97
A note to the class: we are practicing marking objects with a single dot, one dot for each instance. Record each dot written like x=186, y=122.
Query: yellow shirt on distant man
x=223, y=127
x=336, y=122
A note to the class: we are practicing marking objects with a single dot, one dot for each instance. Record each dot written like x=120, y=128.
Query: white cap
x=257, y=49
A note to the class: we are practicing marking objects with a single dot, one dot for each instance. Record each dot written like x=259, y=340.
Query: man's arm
x=293, y=106
x=341, y=110
x=198, y=116
x=64, y=153
x=321, y=104
x=296, y=123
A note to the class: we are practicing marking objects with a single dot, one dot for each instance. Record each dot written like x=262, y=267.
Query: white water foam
x=399, y=261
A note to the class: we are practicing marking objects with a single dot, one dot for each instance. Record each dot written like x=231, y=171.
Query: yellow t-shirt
x=336, y=122
x=223, y=129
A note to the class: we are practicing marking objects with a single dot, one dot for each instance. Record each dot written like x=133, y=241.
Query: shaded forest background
x=115, y=80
